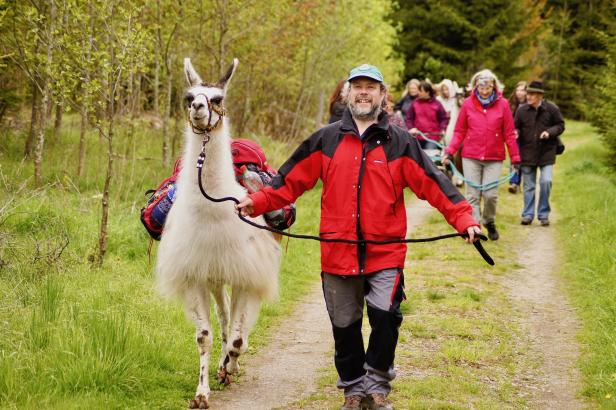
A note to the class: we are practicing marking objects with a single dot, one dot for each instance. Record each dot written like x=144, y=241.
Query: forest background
x=116, y=60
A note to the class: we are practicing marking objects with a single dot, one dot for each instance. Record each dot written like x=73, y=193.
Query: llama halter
x=201, y=160
x=218, y=109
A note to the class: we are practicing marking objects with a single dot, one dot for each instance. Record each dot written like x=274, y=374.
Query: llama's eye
x=189, y=98
x=216, y=100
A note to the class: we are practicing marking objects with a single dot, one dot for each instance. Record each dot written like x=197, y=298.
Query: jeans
x=529, y=177
x=515, y=178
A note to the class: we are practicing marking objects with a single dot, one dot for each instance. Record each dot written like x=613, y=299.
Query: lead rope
x=482, y=187
x=201, y=161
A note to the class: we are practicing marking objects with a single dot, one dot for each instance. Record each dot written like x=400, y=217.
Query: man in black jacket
x=539, y=124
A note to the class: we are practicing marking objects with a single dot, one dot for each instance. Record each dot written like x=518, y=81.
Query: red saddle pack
x=251, y=170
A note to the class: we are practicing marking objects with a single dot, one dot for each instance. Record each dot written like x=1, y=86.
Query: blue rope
x=482, y=187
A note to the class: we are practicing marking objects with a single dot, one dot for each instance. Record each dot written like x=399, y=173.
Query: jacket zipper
x=361, y=248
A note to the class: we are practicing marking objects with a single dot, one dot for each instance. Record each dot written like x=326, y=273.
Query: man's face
x=365, y=98
x=534, y=99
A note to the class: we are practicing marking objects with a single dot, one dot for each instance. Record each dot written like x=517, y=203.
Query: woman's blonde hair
x=488, y=75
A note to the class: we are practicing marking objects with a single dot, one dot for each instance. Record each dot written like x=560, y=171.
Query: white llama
x=205, y=246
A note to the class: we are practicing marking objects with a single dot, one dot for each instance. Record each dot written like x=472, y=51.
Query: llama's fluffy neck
x=217, y=175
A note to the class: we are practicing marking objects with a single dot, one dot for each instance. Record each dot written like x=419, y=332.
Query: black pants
x=363, y=371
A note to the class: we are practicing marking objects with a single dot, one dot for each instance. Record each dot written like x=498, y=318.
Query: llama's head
x=205, y=101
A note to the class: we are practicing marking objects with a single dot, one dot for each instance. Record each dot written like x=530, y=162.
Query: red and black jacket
x=362, y=197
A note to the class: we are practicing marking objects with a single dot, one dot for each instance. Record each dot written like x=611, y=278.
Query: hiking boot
x=352, y=403
x=544, y=222
x=526, y=220
x=514, y=189
x=492, y=232
x=378, y=401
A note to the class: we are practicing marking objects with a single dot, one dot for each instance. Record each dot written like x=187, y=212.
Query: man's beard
x=364, y=114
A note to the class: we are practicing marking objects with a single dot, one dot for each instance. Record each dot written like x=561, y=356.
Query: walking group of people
x=365, y=158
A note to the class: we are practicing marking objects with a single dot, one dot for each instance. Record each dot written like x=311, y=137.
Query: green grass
x=72, y=336
x=585, y=192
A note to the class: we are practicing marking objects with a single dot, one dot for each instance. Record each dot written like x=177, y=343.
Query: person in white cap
x=364, y=163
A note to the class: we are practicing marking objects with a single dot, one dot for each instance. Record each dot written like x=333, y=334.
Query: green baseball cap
x=366, y=70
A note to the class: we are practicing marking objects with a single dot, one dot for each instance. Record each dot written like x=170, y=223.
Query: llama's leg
x=198, y=306
x=222, y=311
x=244, y=313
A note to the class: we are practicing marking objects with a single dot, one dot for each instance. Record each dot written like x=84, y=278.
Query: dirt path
x=287, y=369
x=549, y=321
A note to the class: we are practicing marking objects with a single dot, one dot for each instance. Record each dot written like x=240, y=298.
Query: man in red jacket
x=364, y=164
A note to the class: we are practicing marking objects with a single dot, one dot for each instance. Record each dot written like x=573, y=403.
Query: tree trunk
x=318, y=120
x=158, y=48
x=563, y=19
x=176, y=134
x=103, y=235
x=58, y=120
x=34, y=116
x=82, y=141
x=40, y=140
x=111, y=87
x=166, y=120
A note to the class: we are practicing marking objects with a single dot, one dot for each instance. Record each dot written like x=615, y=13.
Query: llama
x=206, y=247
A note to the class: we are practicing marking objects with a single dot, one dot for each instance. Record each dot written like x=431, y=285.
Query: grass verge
x=585, y=194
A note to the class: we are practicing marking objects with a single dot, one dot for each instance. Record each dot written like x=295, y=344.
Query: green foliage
x=454, y=39
x=604, y=111
x=286, y=70
x=573, y=53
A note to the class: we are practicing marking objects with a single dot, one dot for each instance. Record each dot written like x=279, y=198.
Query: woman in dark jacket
x=517, y=98
x=411, y=92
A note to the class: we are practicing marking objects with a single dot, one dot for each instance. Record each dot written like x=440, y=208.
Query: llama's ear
x=191, y=75
x=224, y=80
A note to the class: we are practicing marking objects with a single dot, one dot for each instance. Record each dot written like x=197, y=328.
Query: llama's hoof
x=199, y=402
x=223, y=377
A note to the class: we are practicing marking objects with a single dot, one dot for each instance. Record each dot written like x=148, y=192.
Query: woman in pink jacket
x=484, y=127
x=428, y=116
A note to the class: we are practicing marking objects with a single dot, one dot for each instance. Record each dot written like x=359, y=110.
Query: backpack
x=154, y=213
x=251, y=171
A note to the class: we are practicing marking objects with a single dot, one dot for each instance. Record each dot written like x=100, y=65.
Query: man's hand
x=245, y=207
x=544, y=135
x=516, y=167
x=414, y=131
x=447, y=158
x=472, y=231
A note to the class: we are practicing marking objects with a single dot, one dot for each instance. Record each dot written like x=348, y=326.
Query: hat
x=366, y=70
x=535, y=87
